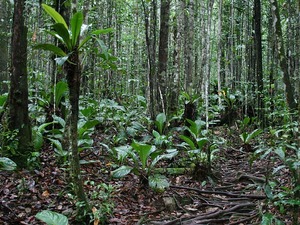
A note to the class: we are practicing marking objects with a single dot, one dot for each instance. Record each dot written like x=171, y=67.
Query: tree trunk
x=289, y=89
x=4, y=40
x=150, y=34
x=258, y=59
x=18, y=96
x=163, y=56
x=73, y=78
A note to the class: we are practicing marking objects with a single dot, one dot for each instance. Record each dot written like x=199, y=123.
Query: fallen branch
x=205, y=217
x=220, y=193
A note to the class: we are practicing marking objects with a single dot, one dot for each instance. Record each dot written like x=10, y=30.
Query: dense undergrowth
x=154, y=152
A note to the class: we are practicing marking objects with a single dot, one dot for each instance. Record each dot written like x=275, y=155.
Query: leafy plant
x=52, y=218
x=142, y=159
x=160, y=122
x=101, y=199
x=248, y=137
x=7, y=164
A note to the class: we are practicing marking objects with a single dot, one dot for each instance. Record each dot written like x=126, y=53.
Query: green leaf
x=102, y=31
x=38, y=140
x=189, y=141
x=63, y=32
x=52, y=218
x=76, y=23
x=3, y=99
x=253, y=134
x=55, y=15
x=50, y=47
x=169, y=155
x=201, y=142
x=267, y=219
x=61, y=89
x=143, y=151
x=7, y=164
x=280, y=152
x=122, y=152
x=158, y=182
x=121, y=172
x=160, y=121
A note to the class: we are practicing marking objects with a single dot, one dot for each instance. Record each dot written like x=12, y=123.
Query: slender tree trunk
x=4, y=40
x=73, y=79
x=163, y=56
x=258, y=58
x=219, y=56
x=150, y=34
x=18, y=96
x=289, y=89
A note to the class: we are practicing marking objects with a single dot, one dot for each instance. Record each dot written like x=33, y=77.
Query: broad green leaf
x=253, y=134
x=61, y=89
x=169, y=155
x=158, y=182
x=280, y=152
x=60, y=120
x=7, y=164
x=52, y=218
x=63, y=32
x=143, y=151
x=76, y=23
x=49, y=47
x=57, y=144
x=188, y=141
x=122, y=152
x=201, y=142
x=267, y=219
x=121, y=172
x=55, y=15
x=246, y=121
x=38, y=139
x=160, y=121
x=155, y=134
x=269, y=192
x=3, y=99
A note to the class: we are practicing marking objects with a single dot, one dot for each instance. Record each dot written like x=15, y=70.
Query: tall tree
x=18, y=95
x=289, y=88
x=258, y=58
x=163, y=56
x=4, y=40
x=150, y=18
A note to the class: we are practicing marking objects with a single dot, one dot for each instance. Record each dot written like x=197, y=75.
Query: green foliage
x=52, y=218
x=281, y=144
x=7, y=164
x=8, y=141
x=144, y=157
x=68, y=36
x=270, y=219
x=3, y=99
x=160, y=122
x=247, y=137
x=102, y=201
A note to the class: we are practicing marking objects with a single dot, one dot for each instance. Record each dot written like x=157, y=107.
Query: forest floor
x=233, y=195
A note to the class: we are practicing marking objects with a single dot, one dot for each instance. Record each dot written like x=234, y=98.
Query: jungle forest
x=150, y=112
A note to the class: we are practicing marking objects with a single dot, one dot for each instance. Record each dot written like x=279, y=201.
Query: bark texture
x=18, y=96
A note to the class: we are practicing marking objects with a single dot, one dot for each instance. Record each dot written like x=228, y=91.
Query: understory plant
x=141, y=159
x=247, y=136
x=73, y=42
x=281, y=143
x=197, y=144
